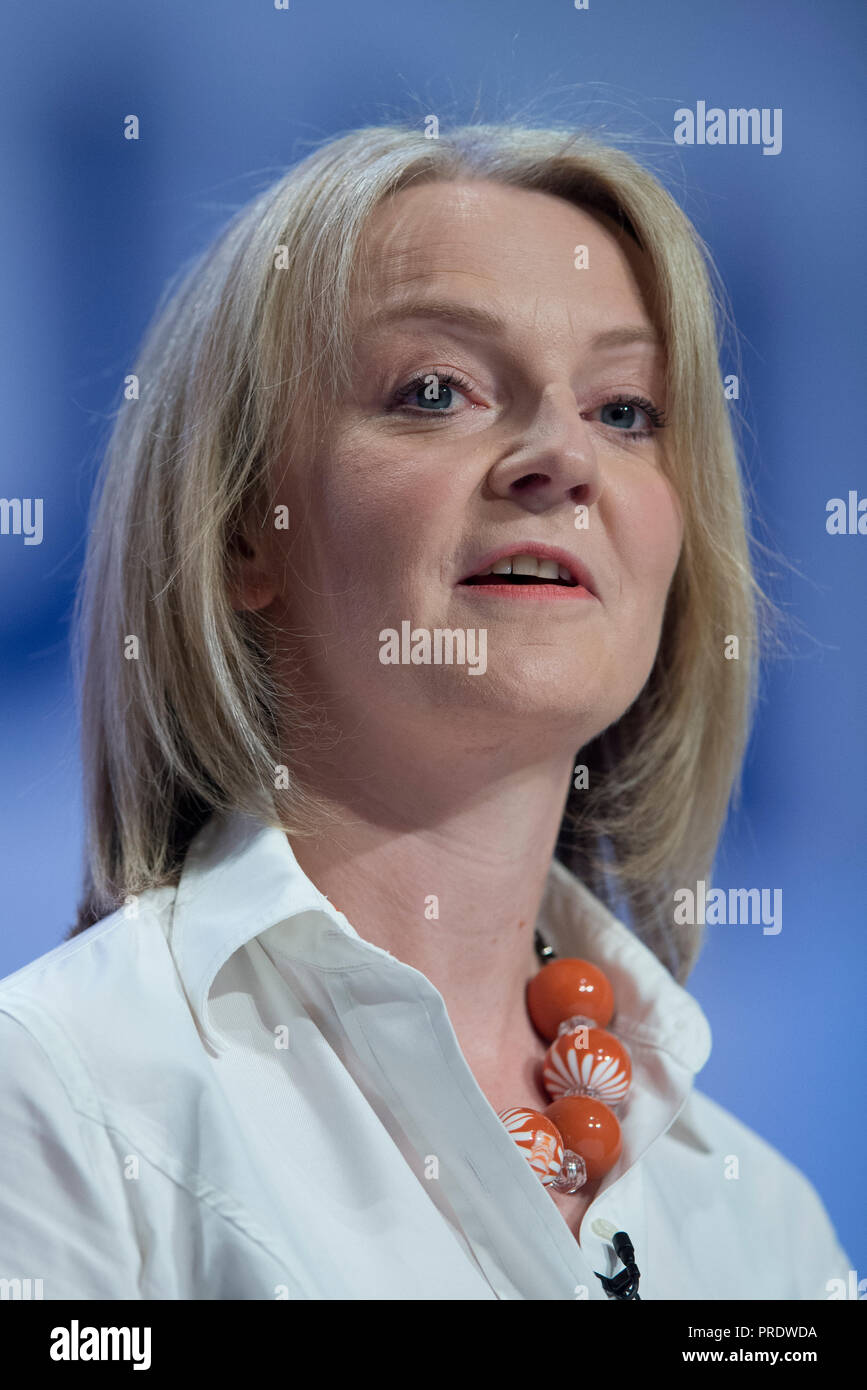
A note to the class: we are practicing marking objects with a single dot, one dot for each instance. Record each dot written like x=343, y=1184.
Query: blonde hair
x=192, y=724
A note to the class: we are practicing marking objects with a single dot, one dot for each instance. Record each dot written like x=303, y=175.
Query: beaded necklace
x=586, y=1072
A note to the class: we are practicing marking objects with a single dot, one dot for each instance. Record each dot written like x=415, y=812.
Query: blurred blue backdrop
x=228, y=95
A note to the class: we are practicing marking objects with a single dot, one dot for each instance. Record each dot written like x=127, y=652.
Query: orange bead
x=564, y=988
x=538, y=1137
x=601, y=1069
x=590, y=1129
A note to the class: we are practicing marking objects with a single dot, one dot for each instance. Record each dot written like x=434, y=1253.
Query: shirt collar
x=240, y=878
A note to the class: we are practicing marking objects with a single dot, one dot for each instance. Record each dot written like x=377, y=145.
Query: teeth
x=525, y=564
x=530, y=565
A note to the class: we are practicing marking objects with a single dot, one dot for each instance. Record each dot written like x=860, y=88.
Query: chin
x=571, y=707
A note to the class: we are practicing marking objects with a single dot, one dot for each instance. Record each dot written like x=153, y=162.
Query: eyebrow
x=483, y=321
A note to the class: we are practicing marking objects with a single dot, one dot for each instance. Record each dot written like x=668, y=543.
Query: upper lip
x=577, y=570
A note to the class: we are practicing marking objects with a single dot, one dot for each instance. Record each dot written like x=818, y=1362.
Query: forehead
x=483, y=236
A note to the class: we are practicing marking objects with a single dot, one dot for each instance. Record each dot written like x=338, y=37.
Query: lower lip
x=533, y=593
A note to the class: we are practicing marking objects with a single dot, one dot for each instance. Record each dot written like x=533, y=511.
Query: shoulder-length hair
x=180, y=708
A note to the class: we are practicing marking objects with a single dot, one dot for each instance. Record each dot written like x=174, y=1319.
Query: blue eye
x=436, y=395
x=430, y=394
x=622, y=415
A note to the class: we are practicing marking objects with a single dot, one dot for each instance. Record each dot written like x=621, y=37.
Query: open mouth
x=525, y=570
x=518, y=579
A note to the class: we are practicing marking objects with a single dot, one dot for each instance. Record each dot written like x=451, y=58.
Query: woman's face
x=482, y=420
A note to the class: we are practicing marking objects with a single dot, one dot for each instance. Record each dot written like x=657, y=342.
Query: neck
x=444, y=866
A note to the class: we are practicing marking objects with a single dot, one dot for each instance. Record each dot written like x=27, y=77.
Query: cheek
x=651, y=533
x=379, y=497
x=368, y=513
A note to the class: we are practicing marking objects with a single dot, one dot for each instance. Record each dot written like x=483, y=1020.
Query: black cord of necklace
x=543, y=950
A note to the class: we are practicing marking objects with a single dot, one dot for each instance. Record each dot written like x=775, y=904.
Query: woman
x=427, y=488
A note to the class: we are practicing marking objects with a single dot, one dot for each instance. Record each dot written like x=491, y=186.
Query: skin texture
x=449, y=783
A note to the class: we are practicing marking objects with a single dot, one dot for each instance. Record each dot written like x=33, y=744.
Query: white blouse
x=222, y=1091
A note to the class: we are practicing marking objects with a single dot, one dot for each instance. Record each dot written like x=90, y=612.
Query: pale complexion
x=447, y=783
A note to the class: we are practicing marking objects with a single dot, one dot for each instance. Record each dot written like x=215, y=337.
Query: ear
x=250, y=584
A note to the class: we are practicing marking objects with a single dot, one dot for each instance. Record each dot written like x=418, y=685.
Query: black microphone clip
x=625, y=1284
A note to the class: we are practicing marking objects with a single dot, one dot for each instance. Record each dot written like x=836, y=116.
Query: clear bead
x=572, y=1174
x=576, y=1021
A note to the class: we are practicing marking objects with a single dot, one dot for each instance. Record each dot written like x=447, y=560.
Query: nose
x=555, y=460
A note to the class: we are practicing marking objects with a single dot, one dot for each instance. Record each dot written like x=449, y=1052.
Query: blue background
x=228, y=94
